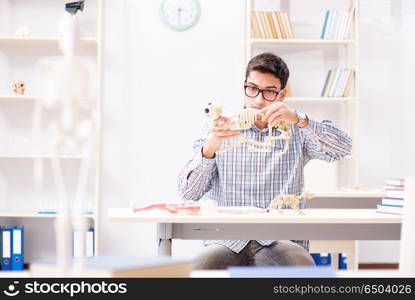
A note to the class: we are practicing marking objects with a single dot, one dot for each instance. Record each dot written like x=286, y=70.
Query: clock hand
x=180, y=10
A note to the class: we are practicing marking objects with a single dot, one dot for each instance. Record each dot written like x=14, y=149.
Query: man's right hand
x=219, y=132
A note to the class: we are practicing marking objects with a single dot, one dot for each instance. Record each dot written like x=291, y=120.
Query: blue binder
x=322, y=259
x=17, y=248
x=342, y=261
x=6, y=249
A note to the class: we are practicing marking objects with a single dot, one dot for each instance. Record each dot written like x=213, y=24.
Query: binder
x=17, y=248
x=90, y=249
x=88, y=237
x=6, y=251
x=322, y=259
x=342, y=261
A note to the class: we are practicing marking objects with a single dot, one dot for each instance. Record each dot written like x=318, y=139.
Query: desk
x=316, y=224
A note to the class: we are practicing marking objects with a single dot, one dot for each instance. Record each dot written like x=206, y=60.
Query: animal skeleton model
x=245, y=119
x=291, y=200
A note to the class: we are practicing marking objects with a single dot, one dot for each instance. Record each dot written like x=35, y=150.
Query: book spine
x=260, y=25
x=332, y=24
x=268, y=15
x=281, y=24
x=330, y=83
x=276, y=24
x=325, y=83
x=350, y=18
x=323, y=31
x=268, y=33
x=254, y=26
x=335, y=81
x=288, y=25
x=349, y=81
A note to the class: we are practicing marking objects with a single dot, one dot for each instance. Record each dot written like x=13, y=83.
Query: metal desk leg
x=164, y=237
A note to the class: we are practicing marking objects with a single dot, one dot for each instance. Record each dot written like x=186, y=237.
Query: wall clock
x=180, y=15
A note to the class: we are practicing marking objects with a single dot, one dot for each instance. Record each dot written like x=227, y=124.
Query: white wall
x=386, y=111
x=156, y=81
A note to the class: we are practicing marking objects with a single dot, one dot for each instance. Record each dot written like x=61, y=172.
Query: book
x=349, y=81
x=389, y=209
x=266, y=25
x=287, y=22
x=337, y=24
x=256, y=34
x=332, y=23
x=330, y=83
x=338, y=88
x=284, y=34
x=394, y=193
x=121, y=266
x=268, y=15
x=260, y=25
x=335, y=83
x=276, y=24
x=325, y=83
x=392, y=202
x=395, y=182
x=343, y=83
x=323, y=31
x=349, y=22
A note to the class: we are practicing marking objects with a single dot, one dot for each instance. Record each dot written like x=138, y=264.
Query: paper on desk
x=240, y=209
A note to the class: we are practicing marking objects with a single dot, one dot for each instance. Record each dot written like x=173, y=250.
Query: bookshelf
x=310, y=57
x=311, y=52
x=20, y=202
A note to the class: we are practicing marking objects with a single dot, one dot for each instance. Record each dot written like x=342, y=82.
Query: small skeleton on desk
x=245, y=119
x=291, y=200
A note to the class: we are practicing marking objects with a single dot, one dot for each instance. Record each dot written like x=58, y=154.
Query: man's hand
x=278, y=112
x=219, y=132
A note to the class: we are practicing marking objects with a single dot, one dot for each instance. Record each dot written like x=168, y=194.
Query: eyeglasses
x=253, y=91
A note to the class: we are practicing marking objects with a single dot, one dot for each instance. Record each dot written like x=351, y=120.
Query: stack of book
x=394, y=197
x=271, y=25
x=337, y=24
x=338, y=82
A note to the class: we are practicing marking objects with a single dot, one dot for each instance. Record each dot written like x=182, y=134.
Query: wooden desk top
x=311, y=216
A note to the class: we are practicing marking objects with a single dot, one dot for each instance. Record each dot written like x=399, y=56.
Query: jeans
x=279, y=253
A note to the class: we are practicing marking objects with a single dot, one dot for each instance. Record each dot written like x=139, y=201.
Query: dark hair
x=269, y=63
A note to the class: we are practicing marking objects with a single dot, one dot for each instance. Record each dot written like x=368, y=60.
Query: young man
x=238, y=177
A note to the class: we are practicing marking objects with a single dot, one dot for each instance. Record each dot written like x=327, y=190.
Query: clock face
x=180, y=14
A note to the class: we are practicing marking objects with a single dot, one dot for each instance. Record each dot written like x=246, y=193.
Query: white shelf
x=326, y=54
x=321, y=99
x=13, y=39
x=6, y=156
x=17, y=154
x=15, y=274
x=31, y=214
x=318, y=42
x=17, y=97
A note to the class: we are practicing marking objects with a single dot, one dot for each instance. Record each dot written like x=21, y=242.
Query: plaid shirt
x=241, y=178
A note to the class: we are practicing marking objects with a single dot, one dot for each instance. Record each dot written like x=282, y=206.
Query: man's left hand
x=278, y=112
